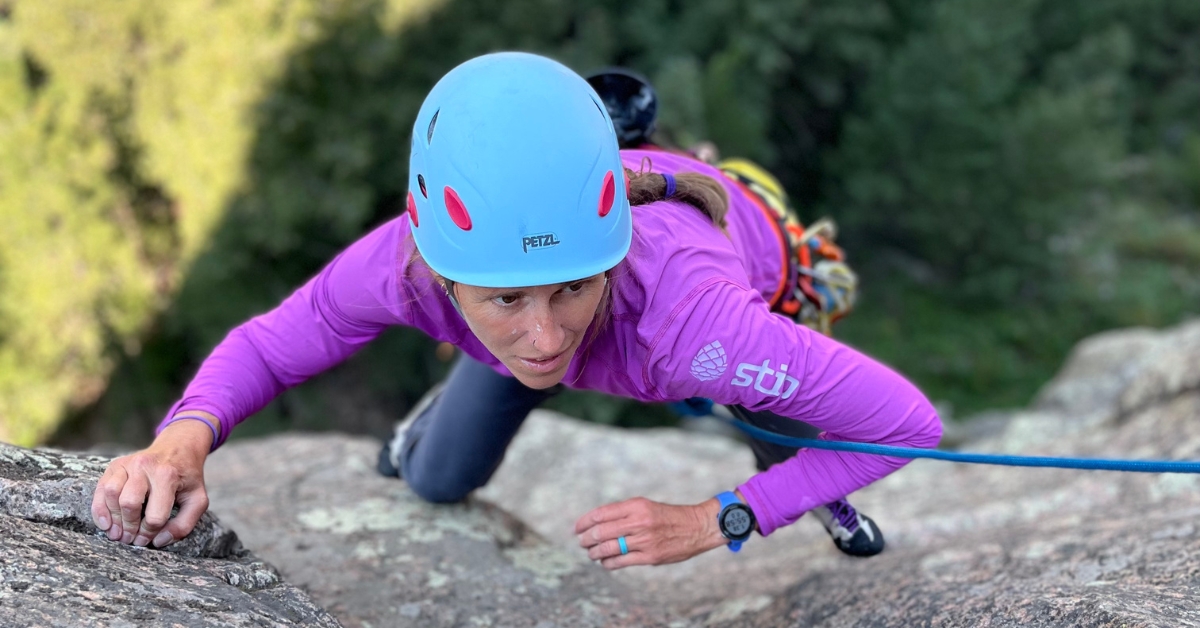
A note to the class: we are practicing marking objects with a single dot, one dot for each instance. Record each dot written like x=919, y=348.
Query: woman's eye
x=507, y=299
x=575, y=287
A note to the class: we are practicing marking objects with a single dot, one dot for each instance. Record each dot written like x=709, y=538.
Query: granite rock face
x=56, y=569
x=969, y=545
x=374, y=554
x=365, y=547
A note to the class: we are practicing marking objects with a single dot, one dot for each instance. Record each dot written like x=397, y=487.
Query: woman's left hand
x=655, y=533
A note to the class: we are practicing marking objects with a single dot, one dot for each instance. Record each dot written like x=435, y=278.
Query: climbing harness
x=817, y=287
x=704, y=407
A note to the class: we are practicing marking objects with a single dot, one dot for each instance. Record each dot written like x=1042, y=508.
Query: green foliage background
x=1010, y=175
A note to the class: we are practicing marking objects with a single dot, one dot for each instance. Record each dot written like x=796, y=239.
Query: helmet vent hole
x=458, y=211
x=432, y=123
x=608, y=194
x=412, y=210
x=598, y=107
x=421, y=184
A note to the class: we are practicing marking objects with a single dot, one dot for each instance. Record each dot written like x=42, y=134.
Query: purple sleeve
x=724, y=344
x=344, y=307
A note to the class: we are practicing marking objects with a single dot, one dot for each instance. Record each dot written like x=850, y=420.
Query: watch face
x=737, y=522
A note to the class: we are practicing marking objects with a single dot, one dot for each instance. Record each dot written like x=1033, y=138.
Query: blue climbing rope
x=697, y=407
x=1100, y=464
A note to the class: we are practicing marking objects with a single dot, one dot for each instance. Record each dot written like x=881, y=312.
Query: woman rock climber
x=551, y=258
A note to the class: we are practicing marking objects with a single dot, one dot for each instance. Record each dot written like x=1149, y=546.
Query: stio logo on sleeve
x=710, y=362
x=759, y=375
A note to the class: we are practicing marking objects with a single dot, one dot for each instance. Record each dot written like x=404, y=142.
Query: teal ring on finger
x=624, y=547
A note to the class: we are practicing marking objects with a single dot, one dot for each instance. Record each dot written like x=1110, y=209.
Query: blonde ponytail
x=700, y=191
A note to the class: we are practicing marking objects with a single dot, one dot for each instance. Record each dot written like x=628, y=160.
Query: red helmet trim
x=608, y=194
x=458, y=211
x=412, y=210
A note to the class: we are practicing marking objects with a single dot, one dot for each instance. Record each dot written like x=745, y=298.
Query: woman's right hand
x=169, y=471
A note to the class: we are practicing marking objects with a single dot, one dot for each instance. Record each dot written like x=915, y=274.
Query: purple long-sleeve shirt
x=689, y=319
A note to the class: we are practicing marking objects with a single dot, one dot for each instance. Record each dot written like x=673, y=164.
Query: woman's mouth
x=544, y=365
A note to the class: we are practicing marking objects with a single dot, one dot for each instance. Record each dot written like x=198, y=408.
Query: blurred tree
x=78, y=231
x=991, y=181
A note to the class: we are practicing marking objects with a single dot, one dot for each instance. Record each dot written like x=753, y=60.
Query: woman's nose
x=545, y=332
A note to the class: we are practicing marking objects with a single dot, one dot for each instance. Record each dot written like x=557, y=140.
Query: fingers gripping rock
x=55, y=488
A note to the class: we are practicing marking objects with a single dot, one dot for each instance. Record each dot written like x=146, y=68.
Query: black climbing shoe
x=852, y=532
x=389, y=456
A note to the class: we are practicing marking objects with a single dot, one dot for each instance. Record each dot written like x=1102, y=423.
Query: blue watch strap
x=726, y=499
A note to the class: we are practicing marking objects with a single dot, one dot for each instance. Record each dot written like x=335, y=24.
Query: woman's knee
x=440, y=487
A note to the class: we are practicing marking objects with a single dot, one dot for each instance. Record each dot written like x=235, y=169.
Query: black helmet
x=631, y=103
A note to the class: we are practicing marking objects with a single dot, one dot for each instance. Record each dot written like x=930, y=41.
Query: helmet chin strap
x=448, y=288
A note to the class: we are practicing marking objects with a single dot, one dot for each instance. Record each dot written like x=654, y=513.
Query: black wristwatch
x=736, y=520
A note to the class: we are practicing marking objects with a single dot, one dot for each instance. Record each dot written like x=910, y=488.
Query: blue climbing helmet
x=515, y=178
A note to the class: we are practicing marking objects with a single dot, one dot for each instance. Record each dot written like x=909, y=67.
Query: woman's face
x=534, y=331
